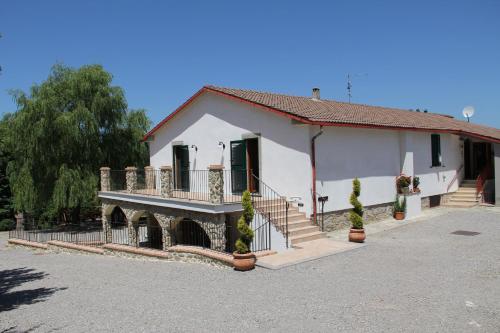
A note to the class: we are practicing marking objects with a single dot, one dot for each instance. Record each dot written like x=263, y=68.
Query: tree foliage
x=356, y=214
x=246, y=233
x=64, y=130
x=6, y=211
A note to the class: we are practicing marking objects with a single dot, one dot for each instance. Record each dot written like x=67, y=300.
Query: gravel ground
x=416, y=278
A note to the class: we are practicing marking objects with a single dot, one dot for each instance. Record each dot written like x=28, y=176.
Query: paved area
x=306, y=251
x=415, y=278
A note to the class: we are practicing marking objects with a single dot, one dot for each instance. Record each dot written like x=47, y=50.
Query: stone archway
x=185, y=231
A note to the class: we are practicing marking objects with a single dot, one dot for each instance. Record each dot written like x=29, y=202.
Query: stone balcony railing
x=213, y=185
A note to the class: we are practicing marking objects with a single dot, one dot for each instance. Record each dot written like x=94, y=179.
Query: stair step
x=452, y=199
x=299, y=224
x=307, y=237
x=302, y=230
x=468, y=181
x=468, y=185
x=460, y=204
x=466, y=190
x=471, y=195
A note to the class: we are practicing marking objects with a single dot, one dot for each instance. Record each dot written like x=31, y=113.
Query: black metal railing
x=272, y=207
x=191, y=185
x=118, y=180
x=76, y=234
x=148, y=182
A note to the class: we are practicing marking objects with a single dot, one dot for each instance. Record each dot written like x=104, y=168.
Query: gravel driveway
x=416, y=278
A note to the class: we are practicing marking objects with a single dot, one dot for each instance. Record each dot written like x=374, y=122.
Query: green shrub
x=246, y=233
x=7, y=224
x=356, y=214
x=399, y=206
x=416, y=182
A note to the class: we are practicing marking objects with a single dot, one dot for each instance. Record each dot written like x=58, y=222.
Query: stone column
x=19, y=221
x=167, y=181
x=106, y=227
x=216, y=183
x=149, y=174
x=105, y=182
x=131, y=177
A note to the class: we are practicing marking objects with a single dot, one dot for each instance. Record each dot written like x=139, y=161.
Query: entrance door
x=181, y=168
x=238, y=166
x=253, y=164
x=467, y=159
x=481, y=157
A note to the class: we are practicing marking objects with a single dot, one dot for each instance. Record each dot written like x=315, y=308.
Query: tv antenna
x=349, y=84
x=468, y=112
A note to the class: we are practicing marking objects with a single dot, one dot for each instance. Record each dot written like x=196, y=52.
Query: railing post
x=105, y=181
x=149, y=174
x=216, y=183
x=131, y=177
x=167, y=181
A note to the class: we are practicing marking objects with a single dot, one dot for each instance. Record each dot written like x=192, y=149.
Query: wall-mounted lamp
x=221, y=144
x=194, y=147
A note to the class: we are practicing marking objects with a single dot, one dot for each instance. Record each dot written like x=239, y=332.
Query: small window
x=436, y=150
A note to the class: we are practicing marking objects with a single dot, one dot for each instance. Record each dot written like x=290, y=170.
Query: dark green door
x=238, y=166
x=181, y=167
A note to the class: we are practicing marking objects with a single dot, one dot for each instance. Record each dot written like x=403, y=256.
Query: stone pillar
x=216, y=233
x=149, y=174
x=167, y=181
x=131, y=177
x=133, y=232
x=105, y=181
x=496, y=166
x=216, y=183
x=106, y=227
x=19, y=221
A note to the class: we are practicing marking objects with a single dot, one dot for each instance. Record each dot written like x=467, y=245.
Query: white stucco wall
x=283, y=147
x=345, y=153
x=375, y=156
x=435, y=180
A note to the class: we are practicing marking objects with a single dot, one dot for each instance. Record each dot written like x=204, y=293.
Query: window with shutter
x=436, y=150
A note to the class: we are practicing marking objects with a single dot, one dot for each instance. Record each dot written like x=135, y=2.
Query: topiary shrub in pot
x=357, y=233
x=244, y=259
x=399, y=209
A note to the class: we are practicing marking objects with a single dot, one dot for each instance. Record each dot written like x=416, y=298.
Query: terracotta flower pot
x=243, y=262
x=357, y=235
x=399, y=215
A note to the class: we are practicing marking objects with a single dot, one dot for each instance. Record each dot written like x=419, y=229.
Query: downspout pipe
x=313, y=166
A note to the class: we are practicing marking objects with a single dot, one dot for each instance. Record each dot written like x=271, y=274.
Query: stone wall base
x=340, y=219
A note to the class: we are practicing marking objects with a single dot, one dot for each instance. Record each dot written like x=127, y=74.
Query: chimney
x=316, y=94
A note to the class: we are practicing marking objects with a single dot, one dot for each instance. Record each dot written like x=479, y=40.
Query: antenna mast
x=349, y=87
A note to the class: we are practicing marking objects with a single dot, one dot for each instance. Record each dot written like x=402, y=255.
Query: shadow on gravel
x=12, y=278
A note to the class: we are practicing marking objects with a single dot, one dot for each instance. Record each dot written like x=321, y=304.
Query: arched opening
x=188, y=232
x=149, y=232
x=118, y=226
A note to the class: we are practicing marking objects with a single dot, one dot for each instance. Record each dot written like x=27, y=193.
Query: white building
x=306, y=147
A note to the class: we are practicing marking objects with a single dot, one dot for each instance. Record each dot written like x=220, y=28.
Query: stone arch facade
x=213, y=224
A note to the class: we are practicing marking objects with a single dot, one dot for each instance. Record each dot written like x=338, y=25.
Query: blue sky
x=439, y=55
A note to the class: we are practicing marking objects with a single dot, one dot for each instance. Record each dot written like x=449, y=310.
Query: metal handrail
x=272, y=206
x=484, y=175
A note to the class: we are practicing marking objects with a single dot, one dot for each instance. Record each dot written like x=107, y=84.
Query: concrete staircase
x=465, y=196
x=300, y=228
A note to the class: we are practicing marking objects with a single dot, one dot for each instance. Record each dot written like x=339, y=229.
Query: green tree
x=64, y=130
x=246, y=233
x=6, y=211
x=356, y=214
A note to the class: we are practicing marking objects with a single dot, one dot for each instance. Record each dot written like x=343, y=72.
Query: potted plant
x=244, y=259
x=403, y=183
x=399, y=209
x=416, y=182
x=357, y=233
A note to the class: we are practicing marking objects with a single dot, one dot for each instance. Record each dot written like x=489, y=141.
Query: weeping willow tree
x=64, y=130
x=6, y=211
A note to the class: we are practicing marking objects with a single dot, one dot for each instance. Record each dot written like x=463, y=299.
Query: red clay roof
x=332, y=113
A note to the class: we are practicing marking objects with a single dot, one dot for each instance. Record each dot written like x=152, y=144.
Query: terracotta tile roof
x=332, y=112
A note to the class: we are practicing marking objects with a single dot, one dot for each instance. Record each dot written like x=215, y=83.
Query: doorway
x=245, y=165
x=477, y=156
x=181, y=168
